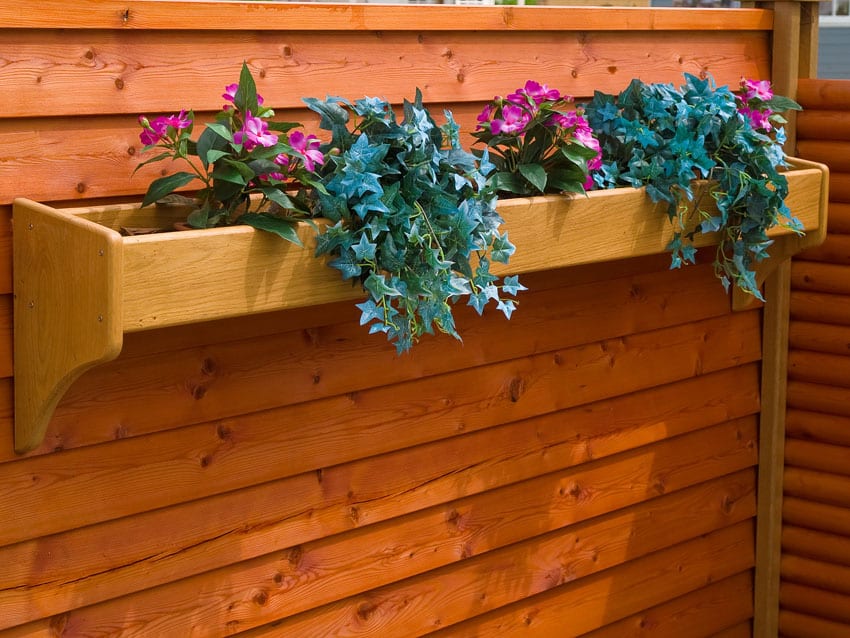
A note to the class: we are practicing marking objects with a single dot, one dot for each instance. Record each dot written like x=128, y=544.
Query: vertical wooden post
x=794, y=55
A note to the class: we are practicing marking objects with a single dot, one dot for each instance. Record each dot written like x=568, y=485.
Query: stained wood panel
x=590, y=462
x=815, y=573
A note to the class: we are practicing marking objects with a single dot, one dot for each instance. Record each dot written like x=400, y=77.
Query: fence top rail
x=286, y=16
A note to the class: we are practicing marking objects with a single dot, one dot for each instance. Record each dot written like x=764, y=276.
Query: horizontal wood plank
x=125, y=71
x=821, y=457
x=819, y=367
x=795, y=624
x=820, y=574
x=700, y=613
x=114, y=558
x=819, y=516
x=818, y=124
x=820, y=308
x=834, y=250
x=839, y=187
x=823, y=487
x=323, y=571
x=816, y=397
x=128, y=397
x=809, y=543
x=741, y=630
x=834, y=153
x=823, y=93
x=818, y=426
x=152, y=15
x=593, y=602
x=813, y=601
x=832, y=278
x=335, y=430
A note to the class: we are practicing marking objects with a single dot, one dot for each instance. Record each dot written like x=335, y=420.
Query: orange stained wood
x=832, y=278
x=817, y=397
x=824, y=487
x=821, y=574
x=595, y=601
x=797, y=624
x=712, y=609
x=201, y=527
x=833, y=152
x=822, y=125
x=427, y=603
x=820, y=307
x=839, y=217
x=835, y=249
x=819, y=367
x=818, y=426
x=815, y=544
x=322, y=571
x=823, y=93
x=203, y=383
x=741, y=630
x=822, y=457
x=839, y=188
x=817, y=602
x=155, y=14
x=820, y=516
x=477, y=399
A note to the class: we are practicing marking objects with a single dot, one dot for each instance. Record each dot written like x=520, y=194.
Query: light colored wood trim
x=67, y=275
x=286, y=16
x=170, y=279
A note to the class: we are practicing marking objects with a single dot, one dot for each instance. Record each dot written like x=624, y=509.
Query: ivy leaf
x=163, y=186
x=347, y=265
x=270, y=223
x=511, y=285
x=364, y=250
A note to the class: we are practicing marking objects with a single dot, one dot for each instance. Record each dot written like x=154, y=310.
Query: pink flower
x=487, y=113
x=758, y=119
x=759, y=89
x=514, y=119
x=255, y=132
x=538, y=93
x=154, y=131
x=308, y=146
x=230, y=96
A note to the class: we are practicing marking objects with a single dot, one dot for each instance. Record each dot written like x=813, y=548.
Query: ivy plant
x=412, y=217
x=663, y=137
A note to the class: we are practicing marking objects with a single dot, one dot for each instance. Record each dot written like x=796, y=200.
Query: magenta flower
x=154, y=131
x=308, y=146
x=487, y=113
x=514, y=120
x=255, y=132
x=759, y=89
x=537, y=92
x=758, y=119
x=230, y=96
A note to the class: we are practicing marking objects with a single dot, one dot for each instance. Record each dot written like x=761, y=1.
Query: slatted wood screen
x=587, y=468
x=815, y=591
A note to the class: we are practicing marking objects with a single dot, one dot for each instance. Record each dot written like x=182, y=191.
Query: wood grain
x=299, y=509
x=820, y=308
x=334, y=430
x=818, y=398
x=809, y=543
x=596, y=601
x=160, y=392
x=835, y=250
x=819, y=516
x=832, y=278
x=125, y=71
x=152, y=15
x=823, y=487
x=833, y=152
x=821, y=124
x=797, y=625
x=819, y=367
x=323, y=571
x=823, y=93
x=700, y=613
x=820, y=337
x=818, y=426
x=817, y=456
x=813, y=601
x=820, y=574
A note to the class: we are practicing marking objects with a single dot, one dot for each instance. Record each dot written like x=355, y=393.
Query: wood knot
x=223, y=432
x=366, y=609
x=516, y=389
x=295, y=555
x=119, y=83
x=261, y=598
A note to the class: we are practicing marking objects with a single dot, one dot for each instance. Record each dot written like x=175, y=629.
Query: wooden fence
x=815, y=591
x=588, y=468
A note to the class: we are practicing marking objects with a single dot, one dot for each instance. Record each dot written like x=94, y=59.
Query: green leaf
x=246, y=95
x=221, y=130
x=782, y=103
x=284, y=228
x=163, y=186
x=535, y=174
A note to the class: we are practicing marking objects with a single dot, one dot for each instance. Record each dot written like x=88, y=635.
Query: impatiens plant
x=661, y=137
x=413, y=219
x=246, y=166
x=538, y=142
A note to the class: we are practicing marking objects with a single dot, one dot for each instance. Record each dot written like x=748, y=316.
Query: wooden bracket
x=67, y=273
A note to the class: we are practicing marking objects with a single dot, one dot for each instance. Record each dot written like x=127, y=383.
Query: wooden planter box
x=80, y=285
